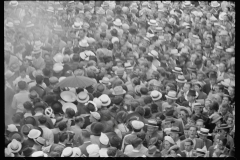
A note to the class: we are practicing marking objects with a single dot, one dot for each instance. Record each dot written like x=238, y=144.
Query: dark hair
x=154, y=108
x=28, y=105
x=46, y=71
x=140, y=110
x=223, y=139
x=39, y=79
x=63, y=136
x=214, y=106
x=42, y=120
x=22, y=85
x=62, y=125
x=16, y=118
x=136, y=142
x=70, y=112
x=112, y=151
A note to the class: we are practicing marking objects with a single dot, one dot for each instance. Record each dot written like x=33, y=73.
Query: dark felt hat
x=97, y=128
x=30, y=120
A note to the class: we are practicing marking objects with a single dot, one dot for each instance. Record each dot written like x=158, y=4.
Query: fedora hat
x=152, y=122
x=105, y=100
x=83, y=97
x=69, y=105
x=83, y=43
x=204, y=131
x=156, y=95
x=68, y=152
x=58, y=58
x=15, y=146
x=34, y=133
x=175, y=129
x=215, y=118
x=117, y=22
x=97, y=128
x=179, y=108
x=181, y=79
x=223, y=126
x=171, y=95
x=33, y=94
x=105, y=80
x=118, y=90
x=26, y=128
x=151, y=150
x=77, y=25
x=17, y=136
x=215, y=4
x=68, y=96
x=177, y=70
x=100, y=88
x=41, y=141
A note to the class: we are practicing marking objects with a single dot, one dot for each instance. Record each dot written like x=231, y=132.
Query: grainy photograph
x=119, y=78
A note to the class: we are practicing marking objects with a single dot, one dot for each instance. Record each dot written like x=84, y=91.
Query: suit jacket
x=199, y=144
x=208, y=143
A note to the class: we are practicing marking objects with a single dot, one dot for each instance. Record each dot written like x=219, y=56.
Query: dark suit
x=199, y=144
x=208, y=143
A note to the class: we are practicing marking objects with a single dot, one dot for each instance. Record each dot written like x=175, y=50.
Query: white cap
x=93, y=150
x=97, y=102
x=34, y=133
x=12, y=128
x=115, y=39
x=229, y=50
x=96, y=115
x=169, y=139
x=137, y=124
x=104, y=139
x=57, y=67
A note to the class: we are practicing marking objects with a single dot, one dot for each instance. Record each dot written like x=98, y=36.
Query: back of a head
x=144, y=91
x=42, y=120
x=140, y=110
x=147, y=99
x=112, y=151
x=136, y=142
x=22, y=69
x=16, y=118
x=46, y=72
x=39, y=79
x=214, y=106
x=63, y=136
x=62, y=125
x=27, y=105
x=70, y=112
x=22, y=85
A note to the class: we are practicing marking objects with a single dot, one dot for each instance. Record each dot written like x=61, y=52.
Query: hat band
x=14, y=149
x=156, y=96
x=105, y=102
x=204, y=132
x=172, y=130
x=82, y=99
x=181, y=79
x=171, y=96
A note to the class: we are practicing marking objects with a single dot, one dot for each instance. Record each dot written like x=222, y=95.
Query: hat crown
x=14, y=145
x=174, y=129
x=172, y=94
x=204, y=130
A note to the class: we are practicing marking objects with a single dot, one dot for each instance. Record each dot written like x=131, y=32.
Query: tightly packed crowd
x=119, y=79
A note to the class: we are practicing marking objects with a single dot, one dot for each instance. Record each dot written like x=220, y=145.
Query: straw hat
x=58, y=58
x=215, y=118
x=105, y=80
x=118, y=90
x=204, y=131
x=77, y=25
x=68, y=152
x=105, y=100
x=117, y=22
x=69, y=105
x=10, y=24
x=13, y=3
x=152, y=22
x=171, y=95
x=83, y=97
x=83, y=43
x=179, y=108
x=39, y=154
x=177, y=70
x=34, y=133
x=156, y=95
x=215, y=4
x=14, y=146
x=181, y=79
x=68, y=96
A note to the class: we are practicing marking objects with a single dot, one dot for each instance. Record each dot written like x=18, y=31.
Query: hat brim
x=76, y=27
x=179, y=108
x=12, y=133
x=83, y=101
x=106, y=104
x=74, y=98
x=181, y=81
x=155, y=99
x=170, y=97
x=219, y=128
x=204, y=134
x=215, y=6
x=117, y=24
x=177, y=71
x=124, y=92
x=64, y=107
x=15, y=151
x=216, y=120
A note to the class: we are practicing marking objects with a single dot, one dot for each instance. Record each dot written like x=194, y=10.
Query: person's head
x=183, y=114
x=224, y=109
x=16, y=118
x=198, y=109
x=62, y=126
x=112, y=151
x=70, y=113
x=63, y=137
x=222, y=67
x=167, y=144
x=28, y=106
x=230, y=120
x=231, y=91
x=136, y=143
x=22, y=85
x=192, y=132
x=39, y=79
x=226, y=100
x=200, y=124
x=188, y=145
x=186, y=87
x=174, y=136
x=46, y=72
x=42, y=120
x=186, y=129
x=213, y=79
x=22, y=70
x=79, y=121
x=221, y=142
x=144, y=67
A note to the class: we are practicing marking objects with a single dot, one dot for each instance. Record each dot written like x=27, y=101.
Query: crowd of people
x=119, y=78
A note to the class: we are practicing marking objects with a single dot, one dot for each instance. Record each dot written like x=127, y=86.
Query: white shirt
x=18, y=79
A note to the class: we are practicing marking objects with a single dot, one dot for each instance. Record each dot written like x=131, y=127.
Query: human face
x=221, y=67
x=188, y=146
x=190, y=98
x=92, y=119
x=220, y=144
x=23, y=74
x=173, y=153
x=166, y=145
x=186, y=133
x=213, y=81
x=151, y=129
x=231, y=91
x=182, y=115
x=196, y=88
x=224, y=111
x=192, y=132
x=186, y=87
x=200, y=77
x=230, y=121
x=199, y=125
